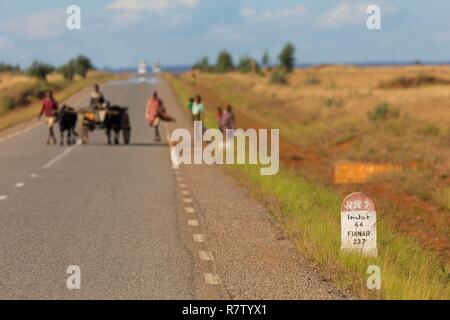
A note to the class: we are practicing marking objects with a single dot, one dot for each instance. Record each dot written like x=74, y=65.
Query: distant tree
x=82, y=65
x=248, y=64
x=265, y=59
x=40, y=69
x=68, y=70
x=5, y=67
x=202, y=65
x=224, y=62
x=287, y=57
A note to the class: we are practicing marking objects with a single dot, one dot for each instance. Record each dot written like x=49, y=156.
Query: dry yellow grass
x=11, y=80
x=323, y=113
x=14, y=84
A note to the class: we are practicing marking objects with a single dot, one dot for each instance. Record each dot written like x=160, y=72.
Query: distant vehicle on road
x=142, y=69
x=156, y=68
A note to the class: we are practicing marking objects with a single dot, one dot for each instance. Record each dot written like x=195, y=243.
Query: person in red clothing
x=155, y=113
x=50, y=111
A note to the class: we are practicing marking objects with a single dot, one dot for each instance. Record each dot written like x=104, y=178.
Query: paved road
x=117, y=212
x=110, y=210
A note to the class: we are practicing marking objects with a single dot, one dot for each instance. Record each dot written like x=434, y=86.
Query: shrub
x=224, y=62
x=413, y=82
x=266, y=59
x=333, y=102
x=202, y=65
x=312, y=81
x=4, y=67
x=383, y=112
x=80, y=65
x=279, y=76
x=67, y=70
x=247, y=64
x=40, y=69
x=430, y=130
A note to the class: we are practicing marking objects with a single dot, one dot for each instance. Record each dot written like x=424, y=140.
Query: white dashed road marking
x=33, y=175
x=212, y=279
x=183, y=186
x=187, y=200
x=3, y=198
x=19, y=184
x=193, y=223
x=62, y=155
x=175, y=159
x=205, y=255
x=199, y=238
x=185, y=193
x=17, y=133
x=189, y=210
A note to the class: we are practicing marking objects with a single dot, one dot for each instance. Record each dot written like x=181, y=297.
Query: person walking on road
x=198, y=109
x=189, y=106
x=155, y=113
x=50, y=111
x=219, y=118
x=229, y=120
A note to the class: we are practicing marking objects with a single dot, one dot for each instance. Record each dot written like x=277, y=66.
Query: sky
x=119, y=33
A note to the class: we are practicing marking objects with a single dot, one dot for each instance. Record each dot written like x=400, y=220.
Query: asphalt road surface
x=135, y=227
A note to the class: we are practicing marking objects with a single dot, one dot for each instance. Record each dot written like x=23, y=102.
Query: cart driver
x=98, y=104
x=97, y=98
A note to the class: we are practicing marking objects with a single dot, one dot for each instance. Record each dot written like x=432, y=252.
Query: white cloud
x=251, y=14
x=157, y=6
x=351, y=12
x=442, y=37
x=46, y=24
x=5, y=43
x=346, y=13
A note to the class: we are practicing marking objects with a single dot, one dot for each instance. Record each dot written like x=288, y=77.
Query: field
x=20, y=95
x=391, y=117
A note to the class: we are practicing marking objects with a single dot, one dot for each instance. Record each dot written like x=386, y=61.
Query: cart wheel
x=126, y=136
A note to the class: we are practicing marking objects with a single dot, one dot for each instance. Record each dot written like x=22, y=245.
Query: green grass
x=310, y=215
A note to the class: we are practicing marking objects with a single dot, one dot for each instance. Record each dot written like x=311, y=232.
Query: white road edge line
x=62, y=155
x=193, y=223
x=205, y=255
x=189, y=210
x=19, y=184
x=212, y=279
x=199, y=237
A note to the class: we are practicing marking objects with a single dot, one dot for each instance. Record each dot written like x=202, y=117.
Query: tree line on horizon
x=76, y=66
x=246, y=64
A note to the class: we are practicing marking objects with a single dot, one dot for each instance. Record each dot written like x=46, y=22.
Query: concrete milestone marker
x=359, y=224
